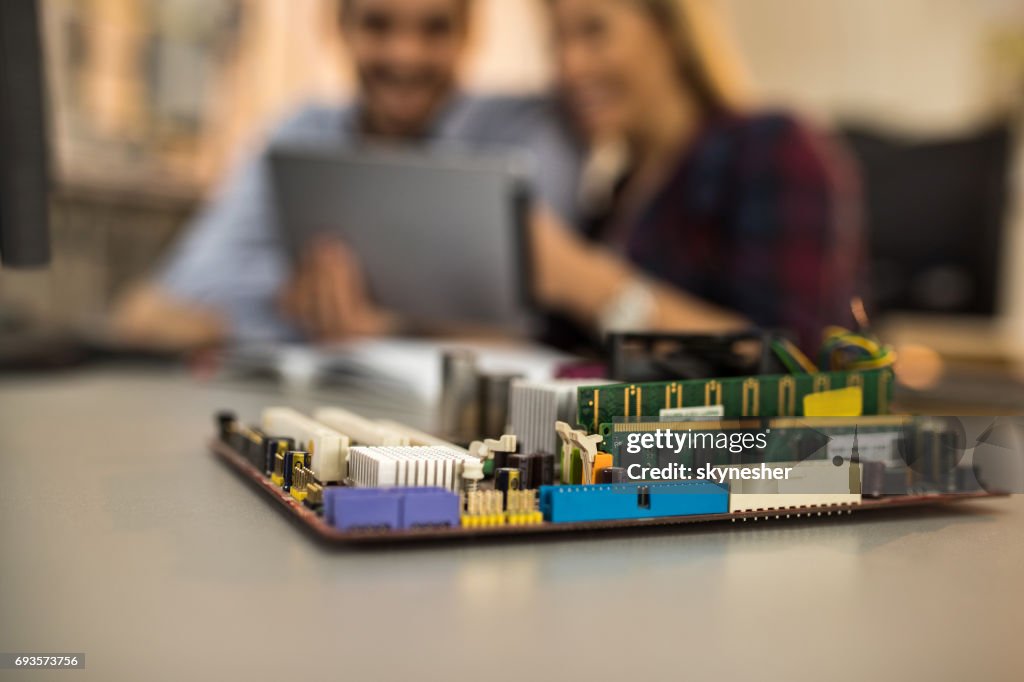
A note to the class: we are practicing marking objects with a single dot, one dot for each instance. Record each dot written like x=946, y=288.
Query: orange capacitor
x=601, y=462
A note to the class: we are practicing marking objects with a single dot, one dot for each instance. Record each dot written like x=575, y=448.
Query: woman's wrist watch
x=632, y=309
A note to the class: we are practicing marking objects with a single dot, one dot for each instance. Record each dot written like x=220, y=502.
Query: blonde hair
x=710, y=61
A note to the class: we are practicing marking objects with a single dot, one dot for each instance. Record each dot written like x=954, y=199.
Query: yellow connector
x=523, y=508
x=493, y=509
x=303, y=479
x=278, y=475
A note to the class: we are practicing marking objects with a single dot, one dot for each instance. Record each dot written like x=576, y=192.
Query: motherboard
x=352, y=480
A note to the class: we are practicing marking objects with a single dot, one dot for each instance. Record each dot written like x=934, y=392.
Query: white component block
x=329, y=449
x=810, y=484
x=408, y=467
x=359, y=429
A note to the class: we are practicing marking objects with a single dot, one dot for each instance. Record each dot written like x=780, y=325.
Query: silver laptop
x=441, y=234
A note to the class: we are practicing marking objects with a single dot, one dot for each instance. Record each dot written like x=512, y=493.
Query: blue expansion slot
x=623, y=501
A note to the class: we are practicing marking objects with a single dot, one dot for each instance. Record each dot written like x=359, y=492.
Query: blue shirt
x=232, y=258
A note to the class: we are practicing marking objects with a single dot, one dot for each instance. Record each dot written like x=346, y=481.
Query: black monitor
x=24, y=176
x=937, y=214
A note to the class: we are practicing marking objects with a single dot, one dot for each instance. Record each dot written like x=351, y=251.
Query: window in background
x=163, y=94
x=131, y=82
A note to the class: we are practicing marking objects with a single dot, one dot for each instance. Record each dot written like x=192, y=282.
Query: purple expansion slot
x=392, y=508
x=362, y=509
x=430, y=508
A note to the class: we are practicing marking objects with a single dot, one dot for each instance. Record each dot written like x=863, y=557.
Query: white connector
x=359, y=429
x=506, y=443
x=485, y=449
x=587, y=444
x=472, y=474
x=811, y=483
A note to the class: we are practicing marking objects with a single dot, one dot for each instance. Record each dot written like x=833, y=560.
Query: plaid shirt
x=761, y=217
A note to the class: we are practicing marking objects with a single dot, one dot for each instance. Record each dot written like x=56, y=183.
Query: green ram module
x=764, y=396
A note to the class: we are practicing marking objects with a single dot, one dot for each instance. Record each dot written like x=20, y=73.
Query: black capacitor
x=270, y=448
x=545, y=468
x=612, y=475
x=290, y=460
x=225, y=424
x=507, y=479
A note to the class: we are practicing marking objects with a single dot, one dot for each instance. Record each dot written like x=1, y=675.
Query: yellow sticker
x=846, y=402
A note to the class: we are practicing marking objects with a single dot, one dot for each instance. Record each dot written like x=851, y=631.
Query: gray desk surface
x=122, y=538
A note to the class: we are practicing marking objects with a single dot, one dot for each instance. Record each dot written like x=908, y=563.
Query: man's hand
x=327, y=295
x=149, y=318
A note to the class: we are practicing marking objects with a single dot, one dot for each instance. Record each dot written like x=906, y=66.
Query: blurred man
x=229, y=279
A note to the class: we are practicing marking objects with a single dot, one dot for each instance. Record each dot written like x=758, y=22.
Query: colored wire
x=848, y=351
x=793, y=358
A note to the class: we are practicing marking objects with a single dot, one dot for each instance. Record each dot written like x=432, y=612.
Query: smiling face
x=614, y=62
x=406, y=54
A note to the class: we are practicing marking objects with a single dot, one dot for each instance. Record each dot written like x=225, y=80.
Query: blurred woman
x=722, y=217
